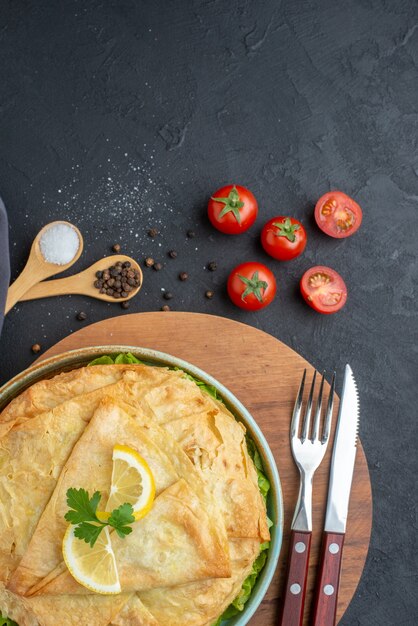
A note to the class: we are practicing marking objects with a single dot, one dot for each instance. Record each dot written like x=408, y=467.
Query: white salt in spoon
x=53, y=251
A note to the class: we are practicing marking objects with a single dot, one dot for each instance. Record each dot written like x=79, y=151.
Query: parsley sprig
x=83, y=514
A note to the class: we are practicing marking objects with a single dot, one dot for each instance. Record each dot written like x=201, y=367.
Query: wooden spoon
x=83, y=283
x=37, y=268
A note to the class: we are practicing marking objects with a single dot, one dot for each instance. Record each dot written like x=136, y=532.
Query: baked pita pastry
x=207, y=501
x=47, y=394
x=214, y=441
x=143, y=562
x=35, y=447
x=202, y=602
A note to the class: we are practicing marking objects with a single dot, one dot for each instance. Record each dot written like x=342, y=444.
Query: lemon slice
x=93, y=567
x=132, y=482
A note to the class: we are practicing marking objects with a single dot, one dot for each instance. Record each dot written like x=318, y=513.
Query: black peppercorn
x=172, y=254
x=183, y=276
x=153, y=232
x=81, y=316
x=125, y=305
x=167, y=295
x=119, y=280
x=157, y=267
x=191, y=234
x=116, y=247
x=212, y=266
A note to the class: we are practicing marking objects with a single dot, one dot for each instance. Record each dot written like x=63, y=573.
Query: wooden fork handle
x=297, y=573
x=328, y=580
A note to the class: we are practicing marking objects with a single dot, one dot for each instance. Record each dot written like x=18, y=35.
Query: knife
x=341, y=475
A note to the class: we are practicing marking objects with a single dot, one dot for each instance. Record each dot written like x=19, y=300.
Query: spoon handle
x=28, y=277
x=57, y=287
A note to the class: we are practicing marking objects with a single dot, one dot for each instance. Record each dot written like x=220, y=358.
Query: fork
x=308, y=451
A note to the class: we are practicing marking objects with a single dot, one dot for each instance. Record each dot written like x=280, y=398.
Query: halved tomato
x=323, y=289
x=338, y=215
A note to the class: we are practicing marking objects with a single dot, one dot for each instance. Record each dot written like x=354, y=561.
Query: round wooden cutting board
x=264, y=374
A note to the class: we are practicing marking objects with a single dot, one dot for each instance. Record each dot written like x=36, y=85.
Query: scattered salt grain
x=59, y=244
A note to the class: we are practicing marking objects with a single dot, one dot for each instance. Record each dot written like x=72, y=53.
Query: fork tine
x=328, y=415
x=307, y=416
x=315, y=428
x=294, y=427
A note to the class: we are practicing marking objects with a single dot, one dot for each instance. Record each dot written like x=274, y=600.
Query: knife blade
x=340, y=481
x=343, y=455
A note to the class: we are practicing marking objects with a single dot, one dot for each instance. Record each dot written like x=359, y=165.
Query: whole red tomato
x=338, y=215
x=232, y=209
x=283, y=238
x=251, y=286
x=323, y=289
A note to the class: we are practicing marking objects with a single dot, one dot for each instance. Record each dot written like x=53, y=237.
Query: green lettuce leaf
x=210, y=389
x=123, y=357
x=263, y=481
x=102, y=360
x=126, y=357
x=247, y=586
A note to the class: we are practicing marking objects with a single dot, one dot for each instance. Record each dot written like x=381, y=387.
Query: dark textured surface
x=126, y=115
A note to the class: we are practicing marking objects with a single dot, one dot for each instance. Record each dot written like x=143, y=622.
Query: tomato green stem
x=253, y=285
x=232, y=203
x=286, y=229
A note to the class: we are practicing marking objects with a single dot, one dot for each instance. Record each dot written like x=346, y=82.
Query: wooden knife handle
x=297, y=573
x=328, y=580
